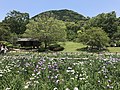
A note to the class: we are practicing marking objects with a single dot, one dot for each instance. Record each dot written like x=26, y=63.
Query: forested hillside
x=64, y=15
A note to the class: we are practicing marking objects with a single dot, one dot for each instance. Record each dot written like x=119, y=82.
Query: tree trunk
x=45, y=45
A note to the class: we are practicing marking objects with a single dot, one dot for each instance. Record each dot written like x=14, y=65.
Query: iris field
x=60, y=71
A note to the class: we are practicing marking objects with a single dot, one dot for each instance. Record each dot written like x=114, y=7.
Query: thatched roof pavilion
x=28, y=42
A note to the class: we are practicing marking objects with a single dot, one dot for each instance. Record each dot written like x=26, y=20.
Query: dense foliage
x=107, y=21
x=64, y=15
x=47, y=30
x=94, y=37
x=42, y=26
x=4, y=32
x=17, y=21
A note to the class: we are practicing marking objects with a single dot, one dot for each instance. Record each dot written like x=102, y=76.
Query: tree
x=106, y=21
x=17, y=21
x=13, y=38
x=4, y=32
x=94, y=37
x=116, y=35
x=47, y=30
x=72, y=29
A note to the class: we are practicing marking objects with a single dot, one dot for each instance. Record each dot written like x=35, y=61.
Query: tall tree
x=72, y=29
x=17, y=21
x=106, y=21
x=4, y=32
x=94, y=37
x=47, y=30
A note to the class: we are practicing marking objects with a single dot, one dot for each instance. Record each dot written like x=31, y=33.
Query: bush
x=112, y=44
x=58, y=49
x=6, y=43
x=41, y=50
x=55, y=47
x=118, y=43
x=51, y=47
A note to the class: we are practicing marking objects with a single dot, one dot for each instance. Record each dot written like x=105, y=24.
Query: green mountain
x=65, y=15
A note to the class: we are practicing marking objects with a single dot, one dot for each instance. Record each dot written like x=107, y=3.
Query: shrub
x=51, y=47
x=118, y=44
x=41, y=50
x=56, y=47
x=112, y=44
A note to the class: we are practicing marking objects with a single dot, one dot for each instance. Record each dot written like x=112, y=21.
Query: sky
x=89, y=8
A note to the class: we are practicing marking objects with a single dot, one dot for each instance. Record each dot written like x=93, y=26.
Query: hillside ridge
x=63, y=14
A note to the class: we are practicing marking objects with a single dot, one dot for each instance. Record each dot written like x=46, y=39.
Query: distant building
x=28, y=42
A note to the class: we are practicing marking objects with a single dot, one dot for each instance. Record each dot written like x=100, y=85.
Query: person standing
x=5, y=49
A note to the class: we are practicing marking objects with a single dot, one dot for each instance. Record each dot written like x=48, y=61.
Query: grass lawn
x=114, y=49
x=75, y=47
x=71, y=46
